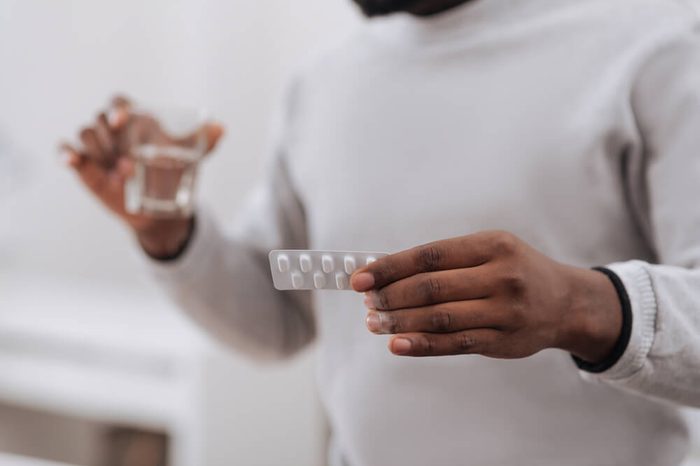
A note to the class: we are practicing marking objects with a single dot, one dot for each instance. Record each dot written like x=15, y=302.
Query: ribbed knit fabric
x=574, y=124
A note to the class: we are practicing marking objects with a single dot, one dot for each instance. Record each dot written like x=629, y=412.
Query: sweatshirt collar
x=406, y=28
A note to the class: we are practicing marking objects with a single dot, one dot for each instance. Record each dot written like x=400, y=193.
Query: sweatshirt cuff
x=625, y=333
x=642, y=302
x=196, y=253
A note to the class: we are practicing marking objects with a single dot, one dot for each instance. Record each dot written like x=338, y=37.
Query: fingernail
x=116, y=117
x=362, y=281
x=66, y=157
x=112, y=117
x=372, y=300
x=215, y=130
x=374, y=322
x=401, y=345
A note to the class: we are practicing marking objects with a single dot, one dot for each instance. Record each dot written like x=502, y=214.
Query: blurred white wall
x=61, y=60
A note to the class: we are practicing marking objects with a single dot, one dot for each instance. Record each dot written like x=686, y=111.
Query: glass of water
x=166, y=146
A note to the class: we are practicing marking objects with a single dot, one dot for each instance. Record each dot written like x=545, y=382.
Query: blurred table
x=101, y=353
x=14, y=460
x=127, y=357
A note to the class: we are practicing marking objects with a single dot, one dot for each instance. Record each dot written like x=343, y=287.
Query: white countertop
x=94, y=350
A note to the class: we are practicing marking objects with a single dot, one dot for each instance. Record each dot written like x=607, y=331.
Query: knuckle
x=466, y=343
x=427, y=345
x=429, y=258
x=85, y=135
x=441, y=321
x=476, y=318
x=391, y=323
x=382, y=300
x=504, y=243
x=430, y=289
x=383, y=271
x=513, y=283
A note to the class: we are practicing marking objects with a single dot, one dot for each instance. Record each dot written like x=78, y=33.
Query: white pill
x=305, y=263
x=317, y=270
x=283, y=263
x=297, y=280
x=327, y=263
x=319, y=280
x=350, y=265
x=341, y=280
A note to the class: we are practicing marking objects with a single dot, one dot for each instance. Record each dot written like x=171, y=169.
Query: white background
x=61, y=60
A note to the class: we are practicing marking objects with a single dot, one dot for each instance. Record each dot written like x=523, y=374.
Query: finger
x=119, y=110
x=91, y=145
x=479, y=341
x=104, y=135
x=95, y=177
x=209, y=135
x=71, y=156
x=466, y=251
x=432, y=288
x=117, y=118
x=122, y=102
x=442, y=318
x=214, y=132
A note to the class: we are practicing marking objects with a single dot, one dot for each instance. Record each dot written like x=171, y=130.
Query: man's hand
x=489, y=294
x=103, y=165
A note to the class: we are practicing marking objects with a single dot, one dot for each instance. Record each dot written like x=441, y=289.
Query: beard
x=383, y=7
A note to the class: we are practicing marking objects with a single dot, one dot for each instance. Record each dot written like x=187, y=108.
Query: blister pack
x=317, y=270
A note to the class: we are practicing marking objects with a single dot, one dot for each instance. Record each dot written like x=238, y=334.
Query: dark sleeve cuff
x=183, y=247
x=624, y=339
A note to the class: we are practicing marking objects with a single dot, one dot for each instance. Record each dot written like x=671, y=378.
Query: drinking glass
x=166, y=146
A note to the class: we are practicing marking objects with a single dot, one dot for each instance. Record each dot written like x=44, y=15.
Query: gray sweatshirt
x=574, y=124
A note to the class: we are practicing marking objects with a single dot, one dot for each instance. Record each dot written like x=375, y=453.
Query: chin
x=383, y=7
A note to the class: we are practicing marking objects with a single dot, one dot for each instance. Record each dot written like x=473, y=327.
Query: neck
x=433, y=7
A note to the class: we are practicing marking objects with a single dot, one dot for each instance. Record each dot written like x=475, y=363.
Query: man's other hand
x=491, y=294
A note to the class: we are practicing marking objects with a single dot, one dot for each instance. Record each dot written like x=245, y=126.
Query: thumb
x=213, y=132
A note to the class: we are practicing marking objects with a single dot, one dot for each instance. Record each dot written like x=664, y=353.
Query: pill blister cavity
x=297, y=280
x=319, y=280
x=327, y=263
x=305, y=263
x=341, y=280
x=371, y=259
x=350, y=264
x=283, y=263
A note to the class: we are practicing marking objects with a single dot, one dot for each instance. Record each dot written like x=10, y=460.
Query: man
x=545, y=137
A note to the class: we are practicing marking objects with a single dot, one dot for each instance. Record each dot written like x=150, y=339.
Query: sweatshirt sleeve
x=662, y=358
x=222, y=281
